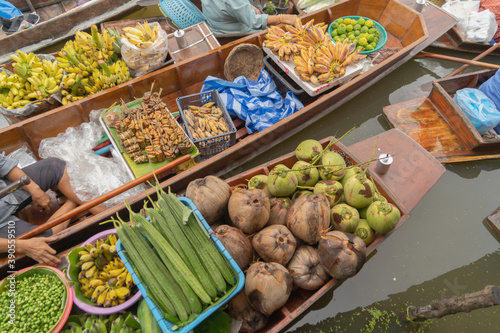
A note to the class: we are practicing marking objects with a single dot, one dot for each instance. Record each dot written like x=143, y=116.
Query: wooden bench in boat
x=440, y=126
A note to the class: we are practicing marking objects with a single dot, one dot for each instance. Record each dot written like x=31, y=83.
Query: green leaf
x=218, y=322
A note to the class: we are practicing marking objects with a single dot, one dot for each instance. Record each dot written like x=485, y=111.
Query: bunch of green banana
x=103, y=277
x=26, y=64
x=122, y=322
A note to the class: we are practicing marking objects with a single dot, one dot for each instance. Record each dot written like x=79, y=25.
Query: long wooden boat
x=440, y=126
x=59, y=21
x=411, y=162
x=406, y=37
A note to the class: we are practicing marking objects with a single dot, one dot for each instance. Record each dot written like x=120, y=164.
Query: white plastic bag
x=482, y=26
x=140, y=61
x=91, y=175
x=461, y=10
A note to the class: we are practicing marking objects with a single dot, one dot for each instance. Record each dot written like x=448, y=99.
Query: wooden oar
x=479, y=57
x=487, y=297
x=456, y=59
x=86, y=206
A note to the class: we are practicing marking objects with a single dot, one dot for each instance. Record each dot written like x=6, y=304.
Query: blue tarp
x=8, y=10
x=258, y=103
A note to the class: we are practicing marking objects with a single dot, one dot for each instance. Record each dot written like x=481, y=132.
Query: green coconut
x=383, y=216
x=259, y=182
x=365, y=232
x=306, y=175
x=298, y=194
x=331, y=188
x=349, y=173
x=333, y=166
x=281, y=182
x=359, y=191
x=307, y=150
x=344, y=218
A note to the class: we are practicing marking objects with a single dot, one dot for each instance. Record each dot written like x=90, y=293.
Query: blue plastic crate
x=165, y=325
x=182, y=12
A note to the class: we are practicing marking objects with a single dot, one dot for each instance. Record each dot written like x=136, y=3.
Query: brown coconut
x=249, y=210
x=236, y=243
x=308, y=216
x=267, y=286
x=279, y=208
x=275, y=243
x=306, y=269
x=239, y=309
x=211, y=196
x=342, y=254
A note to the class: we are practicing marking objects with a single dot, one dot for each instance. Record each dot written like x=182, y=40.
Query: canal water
x=444, y=249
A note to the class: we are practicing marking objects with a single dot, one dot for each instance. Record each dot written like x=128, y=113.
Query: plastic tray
x=382, y=38
x=165, y=325
x=214, y=144
x=310, y=88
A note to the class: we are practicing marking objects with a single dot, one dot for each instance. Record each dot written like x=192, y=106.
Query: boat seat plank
x=412, y=165
x=419, y=120
x=397, y=19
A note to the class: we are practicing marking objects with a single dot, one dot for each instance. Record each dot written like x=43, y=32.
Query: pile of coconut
x=296, y=228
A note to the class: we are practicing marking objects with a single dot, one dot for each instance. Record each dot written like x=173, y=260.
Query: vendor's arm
x=13, y=173
x=243, y=11
x=36, y=248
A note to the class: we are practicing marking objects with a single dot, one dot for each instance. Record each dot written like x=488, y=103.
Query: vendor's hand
x=37, y=249
x=290, y=9
x=289, y=19
x=42, y=200
x=257, y=11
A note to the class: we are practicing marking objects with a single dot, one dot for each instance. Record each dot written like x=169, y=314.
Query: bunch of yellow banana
x=142, y=35
x=281, y=43
x=92, y=64
x=315, y=36
x=103, y=277
x=327, y=62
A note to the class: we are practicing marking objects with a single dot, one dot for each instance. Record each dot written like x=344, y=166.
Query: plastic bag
x=461, y=10
x=480, y=110
x=90, y=175
x=24, y=156
x=139, y=60
x=482, y=26
x=32, y=107
x=491, y=88
x=257, y=102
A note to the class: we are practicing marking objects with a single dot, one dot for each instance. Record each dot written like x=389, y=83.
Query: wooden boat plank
x=411, y=162
x=494, y=220
x=439, y=125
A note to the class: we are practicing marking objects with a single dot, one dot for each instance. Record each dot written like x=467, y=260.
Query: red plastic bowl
x=99, y=310
x=69, y=295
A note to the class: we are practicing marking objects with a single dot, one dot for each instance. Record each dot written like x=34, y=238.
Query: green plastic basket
x=382, y=38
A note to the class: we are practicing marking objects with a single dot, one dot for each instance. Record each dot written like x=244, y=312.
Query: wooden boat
x=411, y=161
x=494, y=221
x=440, y=126
x=59, y=21
x=406, y=37
x=455, y=40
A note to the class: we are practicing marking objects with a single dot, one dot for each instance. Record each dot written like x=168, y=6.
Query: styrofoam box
x=309, y=87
